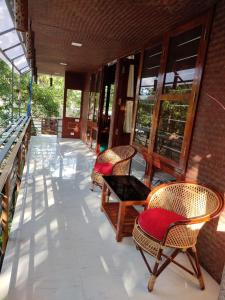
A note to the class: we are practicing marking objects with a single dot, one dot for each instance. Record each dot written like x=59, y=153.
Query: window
x=147, y=99
x=138, y=166
x=108, y=99
x=180, y=70
x=96, y=104
x=73, y=103
x=167, y=100
x=176, y=98
x=94, y=96
x=111, y=99
x=170, y=133
x=91, y=106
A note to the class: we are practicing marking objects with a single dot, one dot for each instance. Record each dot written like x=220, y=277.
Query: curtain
x=127, y=126
x=130, y=85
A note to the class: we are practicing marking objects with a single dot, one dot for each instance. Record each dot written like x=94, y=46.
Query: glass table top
x=127, y=187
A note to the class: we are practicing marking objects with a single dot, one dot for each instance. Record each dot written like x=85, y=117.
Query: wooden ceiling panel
x=106, y=28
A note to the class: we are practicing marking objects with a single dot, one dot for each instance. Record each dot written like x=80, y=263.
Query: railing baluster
x=5, y=215
x=15, y=148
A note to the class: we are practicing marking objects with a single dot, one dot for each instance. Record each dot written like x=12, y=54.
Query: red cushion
x=155, y=221
x=103, y=168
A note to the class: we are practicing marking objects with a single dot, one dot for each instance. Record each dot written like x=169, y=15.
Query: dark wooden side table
x=129, y=192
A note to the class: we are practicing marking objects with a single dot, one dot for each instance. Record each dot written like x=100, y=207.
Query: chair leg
x=199, y=273
x=144, y=258
x=153, y=277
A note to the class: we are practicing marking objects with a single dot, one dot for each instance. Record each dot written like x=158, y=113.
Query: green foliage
x=73, y=103
x=5, y=90
x=46, y=101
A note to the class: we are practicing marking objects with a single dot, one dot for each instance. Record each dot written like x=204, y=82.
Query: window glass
x=73, y=103
x=138, y=166
x=111, y=99
x=108, y=99
x=96, y=104
x=105, y=99
x=182, y=57
x=147, y=93
x=94, y=139
x=91, y=105
x=170, y=133
x=88, y=135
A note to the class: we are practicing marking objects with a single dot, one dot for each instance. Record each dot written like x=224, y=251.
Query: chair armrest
x=188, y=221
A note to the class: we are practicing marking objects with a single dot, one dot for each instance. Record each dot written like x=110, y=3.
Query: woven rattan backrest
x=188, y=199
x=118, y=153
x=124, y=152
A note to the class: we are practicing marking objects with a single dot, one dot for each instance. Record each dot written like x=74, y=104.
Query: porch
x=94, y=75
x=61, y=245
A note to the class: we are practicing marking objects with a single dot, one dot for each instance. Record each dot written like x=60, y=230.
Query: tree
x=46, y=101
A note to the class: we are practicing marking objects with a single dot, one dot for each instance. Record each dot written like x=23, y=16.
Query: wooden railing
x=47, y=126
x=13, y=149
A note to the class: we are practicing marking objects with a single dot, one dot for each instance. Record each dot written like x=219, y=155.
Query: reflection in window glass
x=105, y=99
x=111, y=99
x=108, y=99
x=144, y=121
x=91, y=105
x=150, y=72
x=138, y=166
x=170, y=133
x=88, y=135
x=180, y=68
x=94, y=139
x=96, y=103
x=147, y=93
x=73, y=103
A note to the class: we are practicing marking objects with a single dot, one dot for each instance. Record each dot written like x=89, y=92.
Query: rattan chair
x=120, y=158
x=197, y=204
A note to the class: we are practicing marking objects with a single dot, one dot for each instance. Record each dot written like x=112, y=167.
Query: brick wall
x=207, y=153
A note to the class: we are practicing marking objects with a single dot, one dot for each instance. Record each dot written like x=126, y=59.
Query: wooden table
x=129, y=192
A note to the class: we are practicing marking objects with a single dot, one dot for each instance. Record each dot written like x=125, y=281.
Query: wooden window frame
x=154, y=159
x=95, y=87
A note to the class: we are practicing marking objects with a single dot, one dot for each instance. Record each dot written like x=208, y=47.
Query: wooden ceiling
x=106, y=28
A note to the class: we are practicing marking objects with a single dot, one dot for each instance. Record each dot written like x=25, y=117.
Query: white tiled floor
x=63, y=248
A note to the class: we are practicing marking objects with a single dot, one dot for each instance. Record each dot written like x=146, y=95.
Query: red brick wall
x=207, y=153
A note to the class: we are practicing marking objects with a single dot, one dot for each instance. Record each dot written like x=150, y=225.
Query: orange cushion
x=156, y=221
x=103, y=168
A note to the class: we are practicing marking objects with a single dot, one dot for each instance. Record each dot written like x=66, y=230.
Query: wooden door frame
x=66, y=119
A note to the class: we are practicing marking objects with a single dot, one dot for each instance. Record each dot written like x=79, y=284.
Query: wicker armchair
x=195, y=204
x=119, y=157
